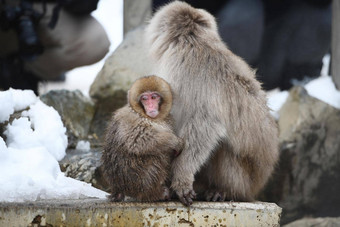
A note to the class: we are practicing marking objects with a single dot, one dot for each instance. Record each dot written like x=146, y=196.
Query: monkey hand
x=116, y=197
x=215, y=196
x=185, y=194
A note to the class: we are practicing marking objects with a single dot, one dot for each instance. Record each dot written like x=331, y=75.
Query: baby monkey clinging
x=140, y=143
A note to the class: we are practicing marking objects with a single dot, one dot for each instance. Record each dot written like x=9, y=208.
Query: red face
x=150, y=102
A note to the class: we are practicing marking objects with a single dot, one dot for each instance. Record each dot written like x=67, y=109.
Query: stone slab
x=96, y=212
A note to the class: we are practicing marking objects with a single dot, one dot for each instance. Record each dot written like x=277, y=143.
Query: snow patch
x=15, y=100
x=324, y=89
x=275, y=102
x=35, y=142
x=83, y=145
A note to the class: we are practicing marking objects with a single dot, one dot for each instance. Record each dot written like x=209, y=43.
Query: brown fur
x=151, y=83
x=138, y=150
x=231, y=140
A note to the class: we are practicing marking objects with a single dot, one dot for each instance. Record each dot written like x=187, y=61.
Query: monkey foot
x=117, y=197
x=215, y=196
x=186, y=196
x=166, y=194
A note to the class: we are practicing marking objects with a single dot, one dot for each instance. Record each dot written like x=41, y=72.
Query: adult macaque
x=140, y=143
x=231, y=140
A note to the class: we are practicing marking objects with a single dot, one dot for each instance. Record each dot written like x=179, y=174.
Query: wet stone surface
x=92, y=212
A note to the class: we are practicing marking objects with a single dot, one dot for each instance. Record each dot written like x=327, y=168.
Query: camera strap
x=55, y=15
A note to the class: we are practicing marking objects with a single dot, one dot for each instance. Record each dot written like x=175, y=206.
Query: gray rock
x=3, y=125
x=128, y=62
x=84, y=166
x=121, y=69
x=76, y=111
x=136, y=13
x=104, y=109
x=307, y=180
x=335, y=43
x=299, y=109
x=315, y=222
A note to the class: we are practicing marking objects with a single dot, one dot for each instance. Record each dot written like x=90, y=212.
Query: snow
x=48, y=132
x=35, y=142
x=83, y=145
x=275, y=102
x=15, y=100
x=324, y=89
x=321, y=88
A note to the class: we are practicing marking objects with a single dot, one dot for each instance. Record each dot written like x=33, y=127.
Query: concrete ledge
x=95, y=212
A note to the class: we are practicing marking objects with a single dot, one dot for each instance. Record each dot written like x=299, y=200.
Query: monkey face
x=151, y=102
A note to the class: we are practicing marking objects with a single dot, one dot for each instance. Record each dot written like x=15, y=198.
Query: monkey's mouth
x=153, y=113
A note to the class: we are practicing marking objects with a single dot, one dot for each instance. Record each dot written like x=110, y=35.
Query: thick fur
x=151, y=83
x=231, y=140
x=138, y=150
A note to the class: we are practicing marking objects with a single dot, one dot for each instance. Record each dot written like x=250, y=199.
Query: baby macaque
x=140, y=143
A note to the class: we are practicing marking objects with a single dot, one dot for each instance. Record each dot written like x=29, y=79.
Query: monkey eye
x=144, y=97
x=154, y=96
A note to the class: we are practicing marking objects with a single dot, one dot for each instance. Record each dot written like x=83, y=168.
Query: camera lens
x=29, y=43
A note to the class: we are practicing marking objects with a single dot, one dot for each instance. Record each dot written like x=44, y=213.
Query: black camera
x=24, y=20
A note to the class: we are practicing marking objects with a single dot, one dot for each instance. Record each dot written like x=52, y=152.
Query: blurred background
x=110, y=14
x=57, y=44
x=285, y=40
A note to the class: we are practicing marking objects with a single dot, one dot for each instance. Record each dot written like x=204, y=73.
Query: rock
x=315, y=222
x=76, y=111
x=307, y=180
x=121, y=69
x=299, y=108
x=128, y=62
x=335, y=70
x=96, y=212
x=136, y=13
x=3, y=125
x=104, y=109
x=84, y=166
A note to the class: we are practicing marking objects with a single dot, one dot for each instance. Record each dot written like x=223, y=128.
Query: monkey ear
x=133, y=100
x=151, y=83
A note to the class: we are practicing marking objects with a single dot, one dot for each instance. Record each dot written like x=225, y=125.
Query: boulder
x=109, y=90
x=84, y=165
x=127, y=63
x=307, y=180
x=76, y=111
x=3, y=125
x=136, y=13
